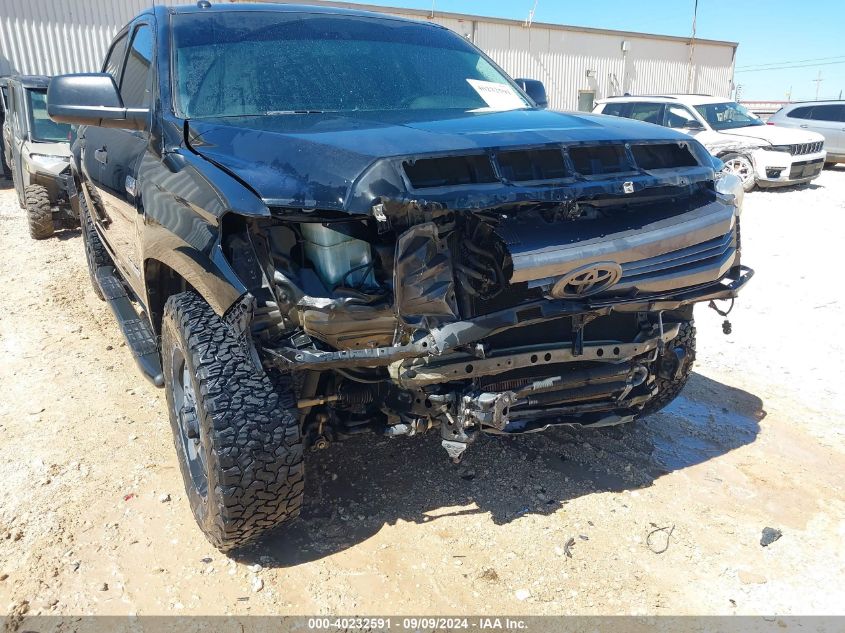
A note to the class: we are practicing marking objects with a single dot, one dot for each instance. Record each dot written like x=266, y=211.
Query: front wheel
x=740, y=165
x=39, y=212
x=236, y=432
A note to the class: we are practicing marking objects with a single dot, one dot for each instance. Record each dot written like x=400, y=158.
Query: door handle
x=101, y=155
x=803, y=126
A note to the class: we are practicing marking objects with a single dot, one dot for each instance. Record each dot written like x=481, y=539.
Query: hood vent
x=528, y=165
x=449, y=171
x=663, y=156
x=598, y=160
x=546, y=164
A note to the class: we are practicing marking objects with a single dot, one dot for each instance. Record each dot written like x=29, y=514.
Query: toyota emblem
x=587, y=280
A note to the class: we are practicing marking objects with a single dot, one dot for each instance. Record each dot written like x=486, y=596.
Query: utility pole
x=530, y=19
x=818, y=82
x=690, y=86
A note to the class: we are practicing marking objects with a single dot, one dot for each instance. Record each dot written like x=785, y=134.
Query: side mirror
x=536, y=90
x=91, y=99
x=693, y=125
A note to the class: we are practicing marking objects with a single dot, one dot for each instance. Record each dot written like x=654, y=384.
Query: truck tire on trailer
x=236, y=431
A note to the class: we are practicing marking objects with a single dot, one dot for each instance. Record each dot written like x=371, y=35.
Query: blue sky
x=768, y=33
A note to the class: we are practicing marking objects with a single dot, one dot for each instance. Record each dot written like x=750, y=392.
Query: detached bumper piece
x=139, y=337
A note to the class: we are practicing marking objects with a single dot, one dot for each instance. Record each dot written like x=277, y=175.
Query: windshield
x=42, y=128
x=726, y=116
x=243, y=63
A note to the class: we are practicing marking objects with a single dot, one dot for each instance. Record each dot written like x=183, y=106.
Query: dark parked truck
x=336, y=222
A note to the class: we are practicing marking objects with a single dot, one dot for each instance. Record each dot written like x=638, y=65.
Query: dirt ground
x=94, y=519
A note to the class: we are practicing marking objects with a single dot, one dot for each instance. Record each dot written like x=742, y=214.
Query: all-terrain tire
x=39, y=212
x=742, y=166
x=249, y=439
x=669, y=388
x=95, y=253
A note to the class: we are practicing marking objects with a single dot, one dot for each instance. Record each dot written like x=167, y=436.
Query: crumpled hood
x=318, y=160
x=776, y=135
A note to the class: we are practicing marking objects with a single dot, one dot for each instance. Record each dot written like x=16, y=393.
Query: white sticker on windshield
x=497, y=96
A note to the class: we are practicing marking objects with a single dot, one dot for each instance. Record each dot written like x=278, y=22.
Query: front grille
x=806, y=148
x=686, y=260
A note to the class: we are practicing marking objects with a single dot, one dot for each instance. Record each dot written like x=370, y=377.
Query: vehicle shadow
x=807, y=186
x=68, y=234
x=355, y=488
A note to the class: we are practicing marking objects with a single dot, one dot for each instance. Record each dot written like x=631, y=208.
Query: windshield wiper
x=274, y=112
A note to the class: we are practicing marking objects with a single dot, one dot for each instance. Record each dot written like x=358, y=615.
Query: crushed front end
x=495, y=291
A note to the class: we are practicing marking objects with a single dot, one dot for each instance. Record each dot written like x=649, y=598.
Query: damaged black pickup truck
x=313, y=223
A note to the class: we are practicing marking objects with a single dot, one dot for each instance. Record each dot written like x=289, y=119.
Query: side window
x=136, y=82
x=613, y=109
x=115, y=59
x=826, y=113
x=800, y=113
x=678, y=116
x=648, y=112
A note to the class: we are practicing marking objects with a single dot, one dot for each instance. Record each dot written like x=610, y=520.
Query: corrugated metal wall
x=51, y=37
x=59, y=36
x=571, y=61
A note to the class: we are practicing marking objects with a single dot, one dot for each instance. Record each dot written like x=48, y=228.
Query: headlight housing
x=47, y=162
x=780, y=148
x=729, y=184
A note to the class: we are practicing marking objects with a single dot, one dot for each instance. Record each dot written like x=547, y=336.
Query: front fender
x=184, y=199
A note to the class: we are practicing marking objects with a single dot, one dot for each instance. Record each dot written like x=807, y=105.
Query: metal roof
x=327, y=8
x=427, y=14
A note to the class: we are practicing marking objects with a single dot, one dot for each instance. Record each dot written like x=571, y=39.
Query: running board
x=139, y=337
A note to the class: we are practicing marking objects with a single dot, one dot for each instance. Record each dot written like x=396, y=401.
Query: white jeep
x=761, y=155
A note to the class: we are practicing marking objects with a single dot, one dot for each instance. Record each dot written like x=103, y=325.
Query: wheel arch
x=177, y=271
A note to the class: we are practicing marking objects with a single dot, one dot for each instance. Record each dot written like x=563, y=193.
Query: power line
x=796, y=61
x=758, y=70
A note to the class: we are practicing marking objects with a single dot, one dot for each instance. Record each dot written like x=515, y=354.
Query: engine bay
x=504, y=320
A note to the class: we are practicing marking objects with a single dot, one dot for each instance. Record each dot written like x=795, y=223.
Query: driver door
x=112, y=157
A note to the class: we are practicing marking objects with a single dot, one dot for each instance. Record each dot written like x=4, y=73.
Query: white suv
x=759, y=154
x=825, y=117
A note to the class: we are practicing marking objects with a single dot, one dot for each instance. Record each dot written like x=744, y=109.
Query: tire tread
x=256, y=472
x=39, y=212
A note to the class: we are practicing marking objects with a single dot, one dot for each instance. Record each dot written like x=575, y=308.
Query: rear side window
x=614, y=109
x=115, y=59
x=648, y=112
x=800, y=113
x=827, y=113
x=135, y=85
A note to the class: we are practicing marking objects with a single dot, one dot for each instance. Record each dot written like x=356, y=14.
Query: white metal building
x=577, y=65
